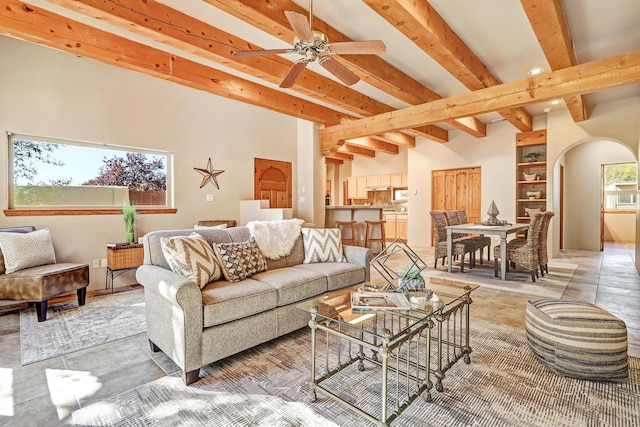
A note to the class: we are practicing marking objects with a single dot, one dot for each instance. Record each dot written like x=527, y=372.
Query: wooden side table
x=121, y=259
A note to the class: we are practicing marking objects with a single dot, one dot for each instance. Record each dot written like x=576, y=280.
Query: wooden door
x=438, y=190
x=462, y=189
x=272, y=181
x=449, y=189
x=474, y=201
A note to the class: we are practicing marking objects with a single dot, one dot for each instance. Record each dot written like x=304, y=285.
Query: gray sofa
x=195, y=327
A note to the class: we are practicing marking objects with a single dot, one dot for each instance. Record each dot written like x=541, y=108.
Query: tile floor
x=43, y=393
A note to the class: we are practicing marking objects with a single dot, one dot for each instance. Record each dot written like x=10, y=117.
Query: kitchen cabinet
x=373, y=181
x=351, y=188
x=361, y=187
x=396, y=180
x=404, y=179
x=384, y=180
x=395, y=226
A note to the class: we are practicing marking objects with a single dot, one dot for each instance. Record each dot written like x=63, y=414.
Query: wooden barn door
x=272, y=181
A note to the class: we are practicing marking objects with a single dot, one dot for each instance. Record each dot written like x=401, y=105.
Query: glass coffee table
x=377, y=361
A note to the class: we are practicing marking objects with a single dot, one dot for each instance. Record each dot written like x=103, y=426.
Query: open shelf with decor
x=531, y=173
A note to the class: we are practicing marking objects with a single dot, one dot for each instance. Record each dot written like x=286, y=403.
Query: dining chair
x=480, y=241
x=525, y=253
x=459, y=247
x=543, y=255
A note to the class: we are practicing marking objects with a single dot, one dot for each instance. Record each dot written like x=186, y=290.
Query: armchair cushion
x=27, y=250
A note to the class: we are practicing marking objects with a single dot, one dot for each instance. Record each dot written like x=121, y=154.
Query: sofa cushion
x=225, y=301
x=43, y=282
x=293, y=284
x=322, y=245
x=192, y=257
x=26, y=250
x=240, y=260
x=339, y=274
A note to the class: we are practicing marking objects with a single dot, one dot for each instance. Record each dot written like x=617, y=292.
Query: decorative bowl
x=530, y=176
x=534, y=194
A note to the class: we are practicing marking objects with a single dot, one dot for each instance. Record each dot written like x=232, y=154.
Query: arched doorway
x=577, y=189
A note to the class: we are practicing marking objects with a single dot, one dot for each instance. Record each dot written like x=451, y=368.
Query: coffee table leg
x=312, y=383
x=439, y=373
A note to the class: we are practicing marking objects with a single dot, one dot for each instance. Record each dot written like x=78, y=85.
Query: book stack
x=379, y=301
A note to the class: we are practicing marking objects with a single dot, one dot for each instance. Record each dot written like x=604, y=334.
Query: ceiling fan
x=314, y=45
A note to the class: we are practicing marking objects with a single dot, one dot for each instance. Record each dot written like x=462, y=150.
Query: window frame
x=13, y=210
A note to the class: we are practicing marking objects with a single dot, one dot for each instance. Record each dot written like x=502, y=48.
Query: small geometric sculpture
x=209, y=175
x=493, y=213
x=399, y=254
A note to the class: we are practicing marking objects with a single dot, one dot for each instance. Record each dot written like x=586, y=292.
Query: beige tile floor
x=46, y=393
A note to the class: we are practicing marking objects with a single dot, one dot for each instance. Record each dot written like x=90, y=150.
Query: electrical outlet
x=96, y=263
x=210, y=198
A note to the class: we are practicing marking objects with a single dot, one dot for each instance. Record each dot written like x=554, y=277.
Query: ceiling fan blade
x=339, y=70
x=293, y=74
x=299, y=25
x=373, y=47
x=260, y=52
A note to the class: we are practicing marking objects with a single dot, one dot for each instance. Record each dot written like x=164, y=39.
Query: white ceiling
x=497, y=31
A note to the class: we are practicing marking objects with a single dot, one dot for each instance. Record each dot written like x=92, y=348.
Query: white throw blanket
x=276, y=238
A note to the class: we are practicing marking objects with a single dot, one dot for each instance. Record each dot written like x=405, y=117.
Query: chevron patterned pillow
x=191, y=256
x=240, y=260
x=322, y=245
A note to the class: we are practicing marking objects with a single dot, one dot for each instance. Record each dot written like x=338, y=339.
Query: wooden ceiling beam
x=396, y=138
x=332, y=161
x=166, y=25
x=341, y=156
x=422, y=24
x=617, y=71
x=549, y=23
x=34, y=24
x=269, y=17
x=374, y=144
x=355, y=149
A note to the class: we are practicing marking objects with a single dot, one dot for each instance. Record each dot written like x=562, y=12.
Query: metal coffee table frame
x=399, y=343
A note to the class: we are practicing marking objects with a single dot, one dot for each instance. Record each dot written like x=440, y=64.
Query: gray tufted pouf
x=577, y=339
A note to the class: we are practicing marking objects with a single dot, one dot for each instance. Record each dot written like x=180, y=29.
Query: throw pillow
x=322, y=245
x=27, y=250
x=191, y=256
x=214, y=227
x=240, y=260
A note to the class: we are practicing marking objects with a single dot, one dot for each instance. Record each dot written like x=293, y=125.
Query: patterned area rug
x=70, y=327
x=268, y=385
x=552, y=285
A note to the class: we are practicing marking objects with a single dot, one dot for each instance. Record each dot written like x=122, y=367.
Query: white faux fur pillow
x=26, y=250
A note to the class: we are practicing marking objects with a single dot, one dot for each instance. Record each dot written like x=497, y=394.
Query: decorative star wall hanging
x=209, y=175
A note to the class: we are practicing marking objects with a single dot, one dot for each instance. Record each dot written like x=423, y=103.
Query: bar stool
x=344, y=226
x=370, y=229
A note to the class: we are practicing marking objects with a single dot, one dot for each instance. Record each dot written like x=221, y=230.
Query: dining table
x=501, y=230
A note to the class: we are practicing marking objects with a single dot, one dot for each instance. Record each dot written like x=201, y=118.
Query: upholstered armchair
x=30, y=273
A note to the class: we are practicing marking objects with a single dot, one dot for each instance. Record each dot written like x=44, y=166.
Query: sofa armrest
x=174, y=314
x=359, y=255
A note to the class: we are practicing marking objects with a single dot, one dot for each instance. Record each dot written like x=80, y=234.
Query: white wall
x=51, y=93
x=381, y=164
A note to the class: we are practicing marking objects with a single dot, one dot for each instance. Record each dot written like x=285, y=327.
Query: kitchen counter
x=357, y=213
x=354, y=207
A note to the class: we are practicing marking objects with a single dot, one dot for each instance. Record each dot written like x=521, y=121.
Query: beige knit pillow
x=26, y=250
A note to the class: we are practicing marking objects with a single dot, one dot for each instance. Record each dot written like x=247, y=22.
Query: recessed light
x=555, y=102
x=535, y=71
x=546, y=110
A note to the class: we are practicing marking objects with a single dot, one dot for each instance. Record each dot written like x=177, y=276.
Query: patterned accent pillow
x=240, y=260
x=322, y=245
x=26, y=250
x=191, y=256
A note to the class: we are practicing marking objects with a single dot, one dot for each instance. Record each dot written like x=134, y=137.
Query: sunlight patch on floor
x=6, y=392
x=67, y=388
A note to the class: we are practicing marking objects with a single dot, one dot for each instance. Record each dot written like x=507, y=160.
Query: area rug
x=70, y=327
x=268, y=386
x=552, y=285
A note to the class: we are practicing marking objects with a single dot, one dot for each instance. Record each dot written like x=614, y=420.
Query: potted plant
x=129, y=212
x=411, y=278
x=532, y=157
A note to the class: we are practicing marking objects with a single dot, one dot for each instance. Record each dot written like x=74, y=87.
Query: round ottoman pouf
x=577, y=339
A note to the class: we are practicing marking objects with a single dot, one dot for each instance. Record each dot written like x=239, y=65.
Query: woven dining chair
x=525, y=253
x=543, y=256
x=459, y=247
x=480, y=241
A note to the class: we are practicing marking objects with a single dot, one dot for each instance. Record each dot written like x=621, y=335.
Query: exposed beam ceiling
x=443, y=70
